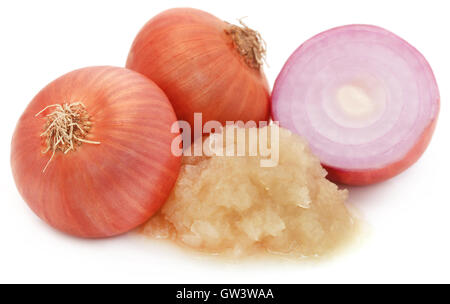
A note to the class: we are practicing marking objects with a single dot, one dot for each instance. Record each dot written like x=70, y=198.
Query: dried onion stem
x=66, y=128
x=249, y=44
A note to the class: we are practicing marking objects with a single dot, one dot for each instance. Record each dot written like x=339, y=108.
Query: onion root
x=66, y=128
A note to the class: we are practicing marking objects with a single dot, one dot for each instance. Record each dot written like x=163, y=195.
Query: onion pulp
x=204, y=65
x=365, y=99
x=97, y=161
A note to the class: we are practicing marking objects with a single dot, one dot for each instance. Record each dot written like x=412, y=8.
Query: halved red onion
x=365, y=100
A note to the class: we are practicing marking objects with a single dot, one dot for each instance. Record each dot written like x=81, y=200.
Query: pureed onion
x=365, y=99
x=97, y=161
x=204, y=65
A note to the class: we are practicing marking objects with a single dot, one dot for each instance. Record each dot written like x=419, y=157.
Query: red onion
x=91, y=154
x=365, y=99
x=204, y=65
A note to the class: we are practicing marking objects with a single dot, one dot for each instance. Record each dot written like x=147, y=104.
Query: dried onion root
x=66, y=128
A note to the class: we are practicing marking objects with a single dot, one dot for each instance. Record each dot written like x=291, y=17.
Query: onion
x=91, y=153
x=204, y=65
x=365, y=99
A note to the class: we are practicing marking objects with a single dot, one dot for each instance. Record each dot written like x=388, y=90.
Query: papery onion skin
x=106, y=189
x=188, y=54
x=412, y=147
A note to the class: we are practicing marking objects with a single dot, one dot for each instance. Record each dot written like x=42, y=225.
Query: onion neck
x=248, y=43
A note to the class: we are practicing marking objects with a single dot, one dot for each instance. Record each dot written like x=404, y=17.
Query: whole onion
x=91, y=154
x=204, y=65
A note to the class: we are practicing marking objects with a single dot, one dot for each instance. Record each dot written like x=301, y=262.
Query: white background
x=409, y=216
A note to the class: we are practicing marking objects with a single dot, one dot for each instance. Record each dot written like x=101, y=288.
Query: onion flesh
x=365, y=99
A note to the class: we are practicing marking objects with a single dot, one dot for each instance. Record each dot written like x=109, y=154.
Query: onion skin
x=187, y=53
x=107, y=189
x=374, y=176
